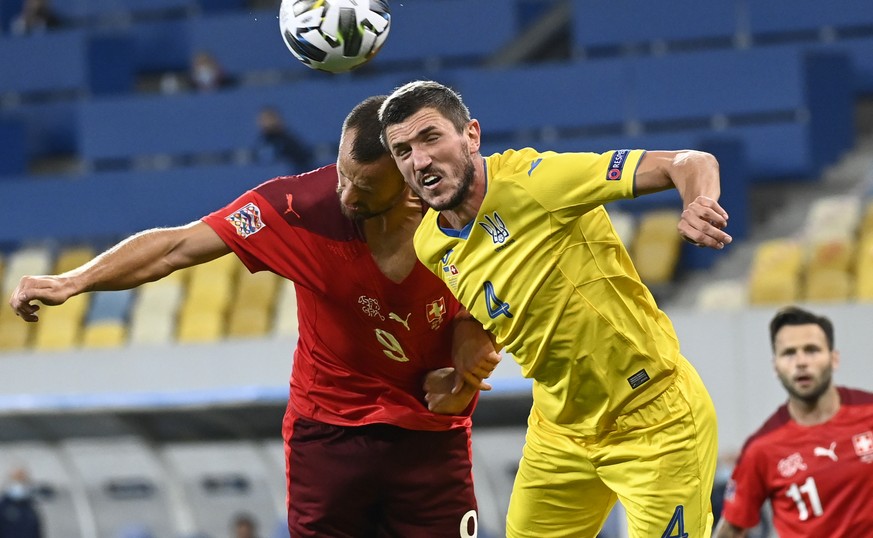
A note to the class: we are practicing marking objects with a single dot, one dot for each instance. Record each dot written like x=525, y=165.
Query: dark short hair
x=792, y=315
x=413, y=96
x=364, y=120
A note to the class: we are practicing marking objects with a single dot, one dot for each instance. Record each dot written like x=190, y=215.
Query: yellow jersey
x=543, y=269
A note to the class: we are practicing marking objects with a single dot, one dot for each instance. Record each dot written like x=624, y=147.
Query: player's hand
x=439, y=393
x=49, y=290
x=702, y=224
x=473, y=354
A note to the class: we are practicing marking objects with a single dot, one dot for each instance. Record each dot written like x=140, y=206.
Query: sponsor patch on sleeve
x=616, y=164
x=246, y=220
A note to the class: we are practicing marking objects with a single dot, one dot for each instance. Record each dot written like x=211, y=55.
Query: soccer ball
x=334, y=35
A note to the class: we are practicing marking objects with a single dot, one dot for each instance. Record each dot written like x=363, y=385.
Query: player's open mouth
x=430, y=181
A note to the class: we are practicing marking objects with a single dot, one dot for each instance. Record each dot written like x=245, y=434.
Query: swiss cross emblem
x=435, y=312
x=863, y=443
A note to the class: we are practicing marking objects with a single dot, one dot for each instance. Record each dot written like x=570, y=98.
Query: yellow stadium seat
x=15, y=333
x=285, y=323
x=864, y=271
x=828, y=286
x=248, y=322
x=197, y=325
x=656, y=247
x=774, y=277
x=60, y=327
x=73, y=257
x=834, y=253
x=105, y=334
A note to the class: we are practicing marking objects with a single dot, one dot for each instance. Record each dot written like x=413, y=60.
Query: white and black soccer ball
x=334, y=35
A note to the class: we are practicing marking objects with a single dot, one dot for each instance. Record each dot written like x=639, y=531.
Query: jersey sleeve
x=746, y=491
x=571, y=184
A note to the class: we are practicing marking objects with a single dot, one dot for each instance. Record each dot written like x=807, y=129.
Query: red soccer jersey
x=365, y=342
x=819, y=479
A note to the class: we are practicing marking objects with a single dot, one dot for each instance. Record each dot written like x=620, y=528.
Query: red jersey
x=365, y=343
x=819, y=479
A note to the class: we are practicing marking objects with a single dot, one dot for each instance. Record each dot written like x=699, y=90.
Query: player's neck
x=818, y=412
x=389, y=238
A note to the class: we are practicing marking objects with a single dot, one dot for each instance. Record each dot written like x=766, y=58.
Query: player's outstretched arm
x=474, y=352
x=695, y=175
x=726, y=529
x=144, y=257
x=441, y=395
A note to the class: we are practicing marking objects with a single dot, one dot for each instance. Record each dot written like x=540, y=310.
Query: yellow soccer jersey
x=544, y=270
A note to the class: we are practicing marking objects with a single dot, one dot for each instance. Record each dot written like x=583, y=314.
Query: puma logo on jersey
x=290, y=199
x=398, y=319
x=826, y=452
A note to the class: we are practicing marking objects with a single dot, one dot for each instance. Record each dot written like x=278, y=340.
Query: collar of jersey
x=464, y=232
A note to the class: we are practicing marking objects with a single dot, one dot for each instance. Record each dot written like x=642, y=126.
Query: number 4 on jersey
x=495, y=306
x=676, y=528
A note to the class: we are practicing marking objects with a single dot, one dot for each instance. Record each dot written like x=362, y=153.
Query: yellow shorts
x=659, y=462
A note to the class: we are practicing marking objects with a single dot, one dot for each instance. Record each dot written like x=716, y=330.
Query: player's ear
x=835, y=359
x=473, y=132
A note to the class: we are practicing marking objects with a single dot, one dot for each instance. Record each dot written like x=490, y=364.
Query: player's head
x=369, y=183
x=803, y=352
x=427, y=129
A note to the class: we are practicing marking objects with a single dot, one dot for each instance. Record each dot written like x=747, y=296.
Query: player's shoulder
x=511, y=161
x=855, y=397
x=772, y=426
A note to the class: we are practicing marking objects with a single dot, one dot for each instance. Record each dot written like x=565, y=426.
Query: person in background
x=813, y=458
x=19, y=517
x=206, y=73
x=277, y=143
x=244, y=526
x=36, y=16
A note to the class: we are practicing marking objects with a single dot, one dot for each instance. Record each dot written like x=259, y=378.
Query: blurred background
x=157, y=412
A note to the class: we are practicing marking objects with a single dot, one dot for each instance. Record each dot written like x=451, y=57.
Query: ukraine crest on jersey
x=544, y=270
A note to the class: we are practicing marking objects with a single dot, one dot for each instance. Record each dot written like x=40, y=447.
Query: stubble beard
x=468, y=171
x=812, y=395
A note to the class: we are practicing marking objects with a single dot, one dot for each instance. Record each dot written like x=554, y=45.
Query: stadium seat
x=827, y=285
x=63, y=51
x=810, y=18
x=104, y=334
x=655, y=249
x=223, y=478
x=864, y=270
x=125, y=483
x=687, y=23
x=154, y=311
x=286, y=310
x=775, y=273
x=251, y=311
x=833, y=217
x=723, y=295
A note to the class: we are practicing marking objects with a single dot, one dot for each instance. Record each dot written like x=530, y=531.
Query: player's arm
x=144, y=257
x=474, y=352
x=726, y=529
x=695, y=175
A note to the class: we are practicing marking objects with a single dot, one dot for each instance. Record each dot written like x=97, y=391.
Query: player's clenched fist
x=49, y=290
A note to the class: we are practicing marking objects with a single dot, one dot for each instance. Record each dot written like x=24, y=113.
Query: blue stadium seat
x=191, y=124
x=243, y=42
x=447, y=32
x=109, y=306
x=161, y=45
x=49, y=128
x=112, y=205
x=720, y=82
x=53, y=63
x=12, y=158
x=95, y=11
x=565, y=95
x=625, y=23
x=775, y=17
